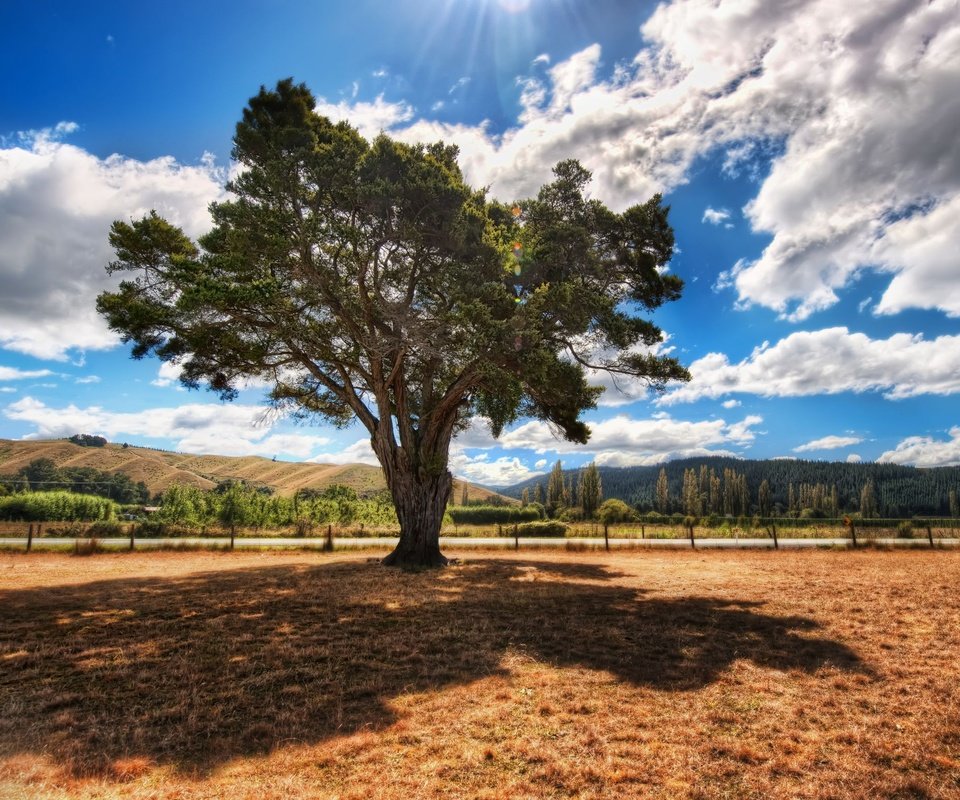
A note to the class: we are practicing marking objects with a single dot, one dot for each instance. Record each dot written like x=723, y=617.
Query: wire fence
x=773, y=531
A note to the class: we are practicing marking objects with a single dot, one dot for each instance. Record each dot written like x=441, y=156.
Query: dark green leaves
x=370, y=280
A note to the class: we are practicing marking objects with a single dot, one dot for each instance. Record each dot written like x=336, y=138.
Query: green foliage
x=56, y=506
x=492, y=515
x=832, y=488
x=663, y=492
x=236, y=503
x=42, y=474
x=367, y=280
x=868, y=501
x=571, y=514
x=589, y=490
x=612, y=511
x=545, y=528
x=87, y=440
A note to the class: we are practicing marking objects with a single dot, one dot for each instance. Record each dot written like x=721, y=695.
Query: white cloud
x=543, y=58
x=832, y=90
x=87, y=379
x=360, y=452
x=57, y=202
x=541, y=463
x=623, y=441
x=715, y=215
x=14, y=374
x=922, y=251
x=731, y=404
x=503, y=471
x=461, y=82
x=835, y=90
x=842, y=86
x=925, y=451
x=370, y=118
x=7, y=389
x=828, y=443
x=827, y=362
x=853, y=458
x=229, y=429
x=168, y=374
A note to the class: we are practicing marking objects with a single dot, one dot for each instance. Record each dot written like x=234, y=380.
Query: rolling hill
x=159, y=469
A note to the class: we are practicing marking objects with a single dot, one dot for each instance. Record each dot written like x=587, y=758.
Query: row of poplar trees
x=561, y=493
x=707, y=492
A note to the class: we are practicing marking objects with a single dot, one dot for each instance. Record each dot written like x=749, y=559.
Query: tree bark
x=420, y=500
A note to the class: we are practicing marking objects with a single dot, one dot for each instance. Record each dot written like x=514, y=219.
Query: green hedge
x=56, y=507
x=548, y=528
x=492, y=515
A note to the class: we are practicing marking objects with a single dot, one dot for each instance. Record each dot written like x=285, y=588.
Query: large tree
x=368, y=281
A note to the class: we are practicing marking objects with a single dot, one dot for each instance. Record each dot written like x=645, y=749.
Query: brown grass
x=676, y=674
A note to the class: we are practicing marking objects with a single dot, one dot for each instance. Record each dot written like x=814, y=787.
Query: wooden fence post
x=930, y=535
x=516, y=537
x=133, y=527
x=328, y=544
x=853, y=533
x=606, y=535
x=692, y=543
x=30, y=538
x=643, y=531
x=776, y=543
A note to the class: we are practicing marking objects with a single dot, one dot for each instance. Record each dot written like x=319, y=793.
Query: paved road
x=465, y=542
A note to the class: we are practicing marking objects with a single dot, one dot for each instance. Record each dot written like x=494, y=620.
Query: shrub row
x=56, y=506
x=493, y=515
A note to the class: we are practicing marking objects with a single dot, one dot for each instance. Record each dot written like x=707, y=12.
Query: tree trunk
x=420, y=500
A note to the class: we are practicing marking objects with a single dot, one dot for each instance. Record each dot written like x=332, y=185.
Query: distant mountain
x=159, y=469
x=900, y=491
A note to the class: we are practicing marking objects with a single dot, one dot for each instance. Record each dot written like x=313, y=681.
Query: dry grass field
x=160, y=469
x=654, y=674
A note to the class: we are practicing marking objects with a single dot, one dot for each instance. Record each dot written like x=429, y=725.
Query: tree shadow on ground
x=192, y=671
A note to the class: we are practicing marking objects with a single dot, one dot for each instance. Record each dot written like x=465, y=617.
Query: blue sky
x=808, y=152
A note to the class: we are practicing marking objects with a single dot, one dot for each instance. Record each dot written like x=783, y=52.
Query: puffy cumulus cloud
x=231, y=429
x=925, y=451
x=859, y=183
x=168, y=374
x=828, y=443
x=360, y=452
x=57, y=202
x=922, y=250
x=853, y=458
x=827, y=362
x=503, y=471
x=370, y=118
x=623, y=441
x=833, y=90
x=731, y=404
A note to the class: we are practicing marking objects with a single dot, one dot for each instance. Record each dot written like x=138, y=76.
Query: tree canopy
x=366, y=280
